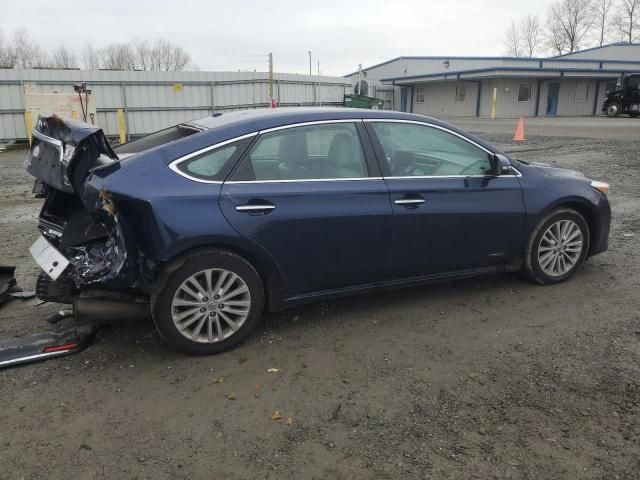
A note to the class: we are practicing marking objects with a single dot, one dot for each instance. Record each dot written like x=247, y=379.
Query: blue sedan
x=207, y=224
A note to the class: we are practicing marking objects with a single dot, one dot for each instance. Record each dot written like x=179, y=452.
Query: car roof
x=263, y=118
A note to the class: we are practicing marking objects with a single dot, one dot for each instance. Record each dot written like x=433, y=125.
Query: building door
x=552, y=98
x=404, y=94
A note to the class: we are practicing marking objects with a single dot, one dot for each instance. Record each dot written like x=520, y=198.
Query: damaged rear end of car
x=82, y=250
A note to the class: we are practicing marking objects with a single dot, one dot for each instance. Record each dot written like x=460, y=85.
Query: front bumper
x=600, y=241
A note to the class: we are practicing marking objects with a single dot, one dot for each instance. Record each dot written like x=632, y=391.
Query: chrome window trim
x=175, y=163
x=310, y=123
x=346, y=179
x=426, y=124
x=424, y=177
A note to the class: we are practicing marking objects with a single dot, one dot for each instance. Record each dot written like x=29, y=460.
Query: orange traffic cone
x=519, y=135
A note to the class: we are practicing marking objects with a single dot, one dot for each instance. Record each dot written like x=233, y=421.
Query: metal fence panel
x=155, y=100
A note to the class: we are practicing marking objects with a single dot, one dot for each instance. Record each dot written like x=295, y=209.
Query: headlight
x=600, y=186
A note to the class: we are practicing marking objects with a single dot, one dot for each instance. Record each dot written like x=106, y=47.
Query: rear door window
x=214, y=164
x=325, y=151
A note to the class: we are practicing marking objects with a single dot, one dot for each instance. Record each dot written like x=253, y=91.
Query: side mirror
x=499, y=163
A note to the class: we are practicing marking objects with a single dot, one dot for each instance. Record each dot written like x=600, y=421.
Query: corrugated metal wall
x=154, y=100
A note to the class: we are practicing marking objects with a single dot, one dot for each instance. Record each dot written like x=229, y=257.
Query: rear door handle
x=255, y=208
x=410, y=201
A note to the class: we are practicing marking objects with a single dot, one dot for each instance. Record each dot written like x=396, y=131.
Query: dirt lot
x=486, y=378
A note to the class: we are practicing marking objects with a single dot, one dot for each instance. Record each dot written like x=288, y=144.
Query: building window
x=582, y=92
x=524, y=92
x=461, y=93
x=420, y=95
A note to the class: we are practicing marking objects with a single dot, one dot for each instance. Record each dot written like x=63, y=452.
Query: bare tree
x=627, y=20
x=62, y=57
x=602, y=20
x=161, y=55
x=554, y=38
x=568, y=23
x=142, y=54
x=512, y=43
x=7, y=54
x=91, y=57
x=118, y=56
x=167, y=57
x=530, y=34
x=28, y=54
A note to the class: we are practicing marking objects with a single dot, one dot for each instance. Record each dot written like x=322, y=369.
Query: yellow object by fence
x=493, y=102
x=28, y=123
x=122, y=129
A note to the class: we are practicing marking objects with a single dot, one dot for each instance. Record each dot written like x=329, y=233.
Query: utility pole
x=271, y=102
x=319, y=89
x=309, y=52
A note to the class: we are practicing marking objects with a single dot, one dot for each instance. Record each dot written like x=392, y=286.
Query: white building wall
x=507, y=104
x=623, y=51
x=440, y=99
x=567, y=102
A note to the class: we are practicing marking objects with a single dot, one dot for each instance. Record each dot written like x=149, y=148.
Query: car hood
x=552, y=171
x=63, y=151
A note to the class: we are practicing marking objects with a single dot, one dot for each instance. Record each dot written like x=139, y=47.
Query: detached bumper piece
x=42, y=346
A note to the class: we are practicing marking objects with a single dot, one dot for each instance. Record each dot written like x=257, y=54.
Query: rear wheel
x=557, y=247
x=209, y=304
x=613, y=110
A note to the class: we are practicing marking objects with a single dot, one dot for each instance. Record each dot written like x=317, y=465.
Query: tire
x=540, y=268
x=634, y=114
x=613, y=110
x=193, y=314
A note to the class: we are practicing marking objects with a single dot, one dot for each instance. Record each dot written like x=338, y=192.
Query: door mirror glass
x=499, y=163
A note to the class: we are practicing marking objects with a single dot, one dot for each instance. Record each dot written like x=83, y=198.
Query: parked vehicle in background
x=209, y=223
x=625, y=99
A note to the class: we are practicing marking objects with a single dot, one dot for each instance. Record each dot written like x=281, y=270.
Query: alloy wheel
x=210, y=305
x=560, y=248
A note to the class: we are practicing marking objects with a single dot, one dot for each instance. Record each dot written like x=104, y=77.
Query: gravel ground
x=487, y=378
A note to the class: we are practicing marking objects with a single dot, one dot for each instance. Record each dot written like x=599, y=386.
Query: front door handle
x=410, y=201
x=255, y=208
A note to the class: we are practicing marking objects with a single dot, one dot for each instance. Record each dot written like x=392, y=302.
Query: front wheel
x=209, y=304
x=613, y=110
x=557, y=247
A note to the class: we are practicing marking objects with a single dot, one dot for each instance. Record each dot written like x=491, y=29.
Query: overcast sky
x=232, y=35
